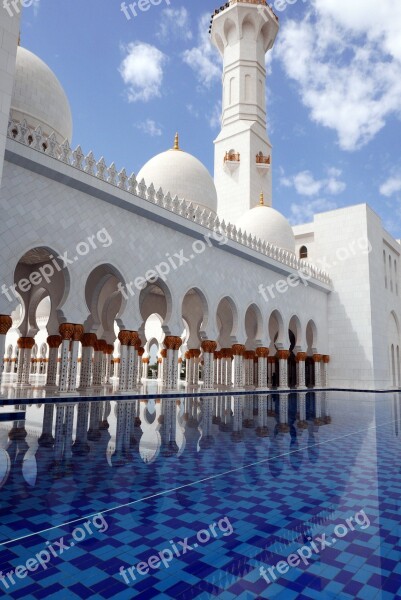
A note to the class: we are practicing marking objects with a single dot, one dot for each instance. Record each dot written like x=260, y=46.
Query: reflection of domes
x=182, y=175
x=269, y=225
x=39, y=98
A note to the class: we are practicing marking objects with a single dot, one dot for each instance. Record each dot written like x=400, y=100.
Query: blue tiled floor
x=180, y=471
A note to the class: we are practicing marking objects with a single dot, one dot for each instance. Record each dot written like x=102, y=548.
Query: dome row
x=39, y=98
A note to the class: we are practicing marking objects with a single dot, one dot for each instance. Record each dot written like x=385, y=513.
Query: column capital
x=110, y=349
x=124, y=337
x=141, y=351
x=54, y=341
x=100, y=346
x=326, y=358
x=67, y=331
x=163, y=353
x=6, y=323
x=271, y=360
x=317, y=358
x=283, y=354
x=188, y=355
x=209, y=346
x=249, y=354
x=172, y=342
x=88, y=340
x=301, y=357
x=262, y=352
x=238, y=349
x=196, y=353
x=135, y=340
x=78, y=333
x=26, y=343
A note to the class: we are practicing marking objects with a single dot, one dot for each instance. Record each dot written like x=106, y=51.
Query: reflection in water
x=114, y=434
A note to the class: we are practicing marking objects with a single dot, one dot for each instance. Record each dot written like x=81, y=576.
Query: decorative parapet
x=22, y=133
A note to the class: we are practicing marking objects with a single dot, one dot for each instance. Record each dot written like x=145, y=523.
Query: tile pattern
x=297, y=486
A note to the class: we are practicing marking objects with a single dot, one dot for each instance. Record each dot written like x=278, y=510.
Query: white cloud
x=346, y=59
x=391, y=186
x=303, y=212
x=174, y=23
x=150, y=127
x=306, y=185
x=204, y=58
x=142, y=71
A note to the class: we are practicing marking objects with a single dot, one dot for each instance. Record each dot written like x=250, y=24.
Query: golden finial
x=176, y=142
x=261, y=199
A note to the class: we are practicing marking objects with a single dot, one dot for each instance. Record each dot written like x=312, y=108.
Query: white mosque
x=103, y=271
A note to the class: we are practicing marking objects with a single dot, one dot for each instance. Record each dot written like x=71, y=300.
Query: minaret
x=243, y=31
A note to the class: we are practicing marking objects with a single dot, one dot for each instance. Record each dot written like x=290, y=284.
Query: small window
x=303, y=252
x=385, y=268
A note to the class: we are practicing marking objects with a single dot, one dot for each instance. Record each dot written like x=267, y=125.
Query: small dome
x=269, y=225
x=39, y=98
x=182, y=175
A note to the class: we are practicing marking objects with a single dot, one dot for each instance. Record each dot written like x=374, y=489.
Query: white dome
x=39, y=98
x=182, y=175
x=269, y=225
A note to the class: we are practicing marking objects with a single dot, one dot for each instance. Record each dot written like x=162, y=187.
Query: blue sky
x=334, y=92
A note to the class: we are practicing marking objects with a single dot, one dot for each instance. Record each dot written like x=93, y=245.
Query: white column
x=66, y=332
x=72, y=375
x=238, y=366
x=283, y=368
x=262, y=354
x=317, y=359
x=6, y=323
x=301, y=358
x=88, y=343
x=25, y=345
x=325, y=369
x=124, y=337
x=209, y=348
x=173, y=344
x=53, y=341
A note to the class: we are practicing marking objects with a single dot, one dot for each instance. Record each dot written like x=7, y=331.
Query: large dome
x=182, y=175
x=39, y=98
x=269, y=225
